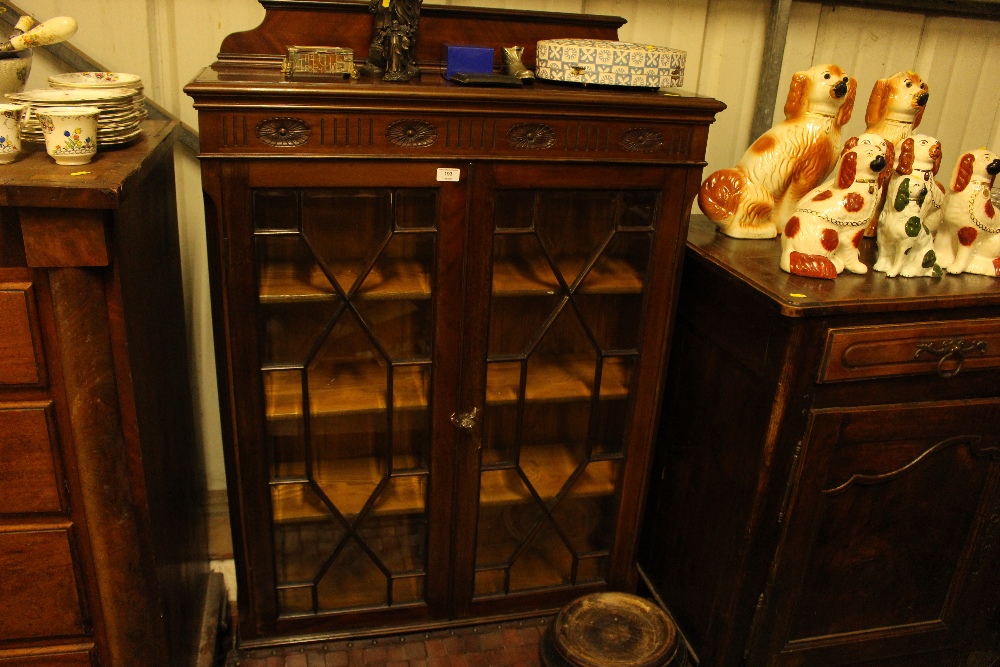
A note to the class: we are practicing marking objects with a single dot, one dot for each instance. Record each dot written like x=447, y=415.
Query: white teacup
x=10, y=131
x=70, y=133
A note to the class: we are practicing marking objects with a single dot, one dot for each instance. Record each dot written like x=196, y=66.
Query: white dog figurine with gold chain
x=825, y=231
x=969, y=238
x=912, y=211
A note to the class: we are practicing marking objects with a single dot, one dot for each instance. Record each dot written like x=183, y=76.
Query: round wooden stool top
x=610, y=630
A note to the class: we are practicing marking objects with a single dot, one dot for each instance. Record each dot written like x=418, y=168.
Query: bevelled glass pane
x=564, y=363
x=573, y=225
x=507, y=514
x=275, y=210
x=296, y=600
x=616, y=377
x=398, y=539
x=416, y=209
x=514, y=209
x=411, y=417
x=610, y=423
x=302, y=547
x=499, y=434
x=348, y=373
x=407, y=590
x=592, y=569
x=283, y=402
x=289, y=332
x=516, y=322
x=521, y=267
x=352, y=580
x=639, y=208
x=288, y=271
x=546, y=561
x=586, y=514
x=490, y=582
x=346, y=229
x=548, y=467
x=612, y=318
x=503, y=382
x=394, y=299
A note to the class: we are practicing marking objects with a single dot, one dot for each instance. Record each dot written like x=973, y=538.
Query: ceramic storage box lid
x=610, y=63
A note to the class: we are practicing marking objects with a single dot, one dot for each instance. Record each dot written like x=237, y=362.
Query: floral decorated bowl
x=14, y=73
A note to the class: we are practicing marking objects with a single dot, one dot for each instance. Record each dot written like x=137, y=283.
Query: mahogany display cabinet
x=441, y=320
x=103, y=556
x=827, y=482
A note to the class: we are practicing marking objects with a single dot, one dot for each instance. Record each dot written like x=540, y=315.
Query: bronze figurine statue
x=393, y=51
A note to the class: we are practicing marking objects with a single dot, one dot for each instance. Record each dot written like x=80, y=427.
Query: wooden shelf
x=353, y=390
x=552, y=382
x=548, y=467
x=348, y=483
x=398, y=279
x=535, y=278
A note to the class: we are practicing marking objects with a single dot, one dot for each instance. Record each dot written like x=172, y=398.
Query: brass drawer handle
x=954, y=350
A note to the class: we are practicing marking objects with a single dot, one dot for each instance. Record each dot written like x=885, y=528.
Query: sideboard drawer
x=29, y=476
x=38, y=586
x=909, y=349
x=20, y=346
x=65, y=658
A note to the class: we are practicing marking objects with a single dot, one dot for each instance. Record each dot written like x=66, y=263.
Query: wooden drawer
x=67, y=657
x=21, y=361
x=38, y=585
x=29, y=477
x=945, y=348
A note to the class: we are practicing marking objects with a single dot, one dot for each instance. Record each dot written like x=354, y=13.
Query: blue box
x=470, y=59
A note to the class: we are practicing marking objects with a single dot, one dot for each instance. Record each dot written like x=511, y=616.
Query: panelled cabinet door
x=354, y=292
x=879, y=558
x=561, y=271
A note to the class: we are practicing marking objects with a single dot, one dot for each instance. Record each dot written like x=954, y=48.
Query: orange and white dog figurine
x=755, y=198
x=895, y=109
x=968, y=240
x=824, y=233
x=912, y=212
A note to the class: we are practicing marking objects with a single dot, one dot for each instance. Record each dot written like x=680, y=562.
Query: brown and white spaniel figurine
x=912, y=211
x=894, y=111
x=824, y=233
x=968, y=240
x=755, y=198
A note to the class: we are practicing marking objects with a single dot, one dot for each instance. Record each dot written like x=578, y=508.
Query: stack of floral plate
x=118, y=96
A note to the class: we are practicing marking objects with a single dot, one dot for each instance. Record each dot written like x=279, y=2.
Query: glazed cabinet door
x=342, y=295
x=890, y=539
x=560, y=382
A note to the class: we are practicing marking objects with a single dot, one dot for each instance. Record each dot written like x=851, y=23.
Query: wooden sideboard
x=102, y=541
x=827, y=482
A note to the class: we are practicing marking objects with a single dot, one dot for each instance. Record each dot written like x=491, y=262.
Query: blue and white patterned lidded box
x=610, y=63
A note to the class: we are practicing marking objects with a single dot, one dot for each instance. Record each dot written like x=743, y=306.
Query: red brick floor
x=513, y=644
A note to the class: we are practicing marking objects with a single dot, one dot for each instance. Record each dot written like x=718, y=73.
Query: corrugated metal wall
x=168, y=41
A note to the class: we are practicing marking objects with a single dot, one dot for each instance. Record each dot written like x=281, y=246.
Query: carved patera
x=641, y=140
x=283, y=132
x=411, y=133
x=531, y=135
